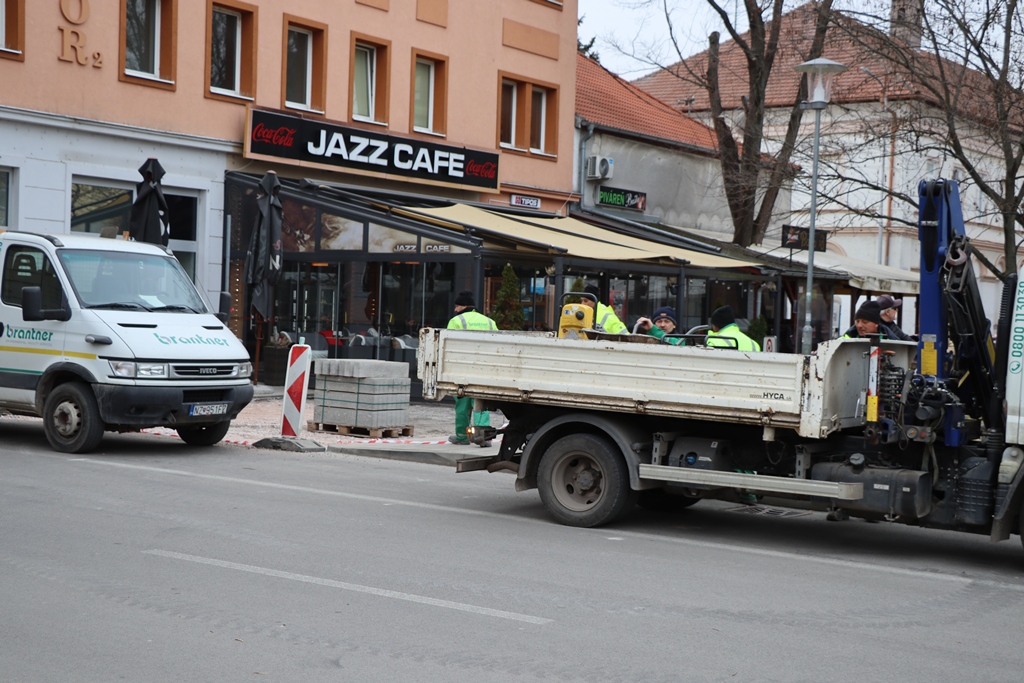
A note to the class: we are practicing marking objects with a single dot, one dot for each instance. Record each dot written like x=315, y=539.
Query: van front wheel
x=205, y=435
x=71, y=418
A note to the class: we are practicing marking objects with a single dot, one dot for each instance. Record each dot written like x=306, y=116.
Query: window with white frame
x=226, y=52
x=142, y=38
x=363, y=82
x=509, y=95
x=423, y=100
x=100, y=207
x=538, y=119
x=299, y=76
x=3, y=24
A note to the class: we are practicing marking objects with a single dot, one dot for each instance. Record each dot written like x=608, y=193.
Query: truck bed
x=814, y=396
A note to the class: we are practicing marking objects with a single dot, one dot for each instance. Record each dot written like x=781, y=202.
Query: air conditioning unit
x=600, y=168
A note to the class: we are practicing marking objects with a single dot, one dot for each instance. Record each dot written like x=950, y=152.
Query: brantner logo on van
x=198, y=339
x=26, y=333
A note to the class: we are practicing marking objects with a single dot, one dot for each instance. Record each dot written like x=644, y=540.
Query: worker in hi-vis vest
x=468, y=318
x=605, y=319
x=723, y=326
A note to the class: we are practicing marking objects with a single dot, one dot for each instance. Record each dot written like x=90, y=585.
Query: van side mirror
x=32, y=307
x=225, y=307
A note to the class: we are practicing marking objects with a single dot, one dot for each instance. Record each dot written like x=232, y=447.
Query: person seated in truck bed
x=724, y=328
x=605, y=319
x=662, y=323
x=867, y=321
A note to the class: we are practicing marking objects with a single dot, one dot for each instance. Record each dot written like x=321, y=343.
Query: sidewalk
x=432, y=423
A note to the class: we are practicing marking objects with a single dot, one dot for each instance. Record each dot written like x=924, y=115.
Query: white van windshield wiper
x=174, y=307
x=131, y=305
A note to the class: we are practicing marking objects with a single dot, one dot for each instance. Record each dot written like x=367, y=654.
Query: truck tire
x=660, y=500
x=71, y=418
x=583, y=481
x=204, y=435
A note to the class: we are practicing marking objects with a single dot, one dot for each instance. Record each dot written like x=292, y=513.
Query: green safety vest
x=743, y=342
x=471, y=320
x=607, y=321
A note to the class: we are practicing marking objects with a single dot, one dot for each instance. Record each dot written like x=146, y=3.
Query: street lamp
x=819, y=87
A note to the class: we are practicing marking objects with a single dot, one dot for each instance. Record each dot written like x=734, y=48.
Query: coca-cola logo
x=488, y=169
x=281, y=136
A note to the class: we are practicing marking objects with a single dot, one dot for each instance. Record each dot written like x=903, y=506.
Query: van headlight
x=131, y=369
x=245, y=369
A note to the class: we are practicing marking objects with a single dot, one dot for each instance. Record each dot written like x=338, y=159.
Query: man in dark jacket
x=888, y=306
x=867, y=321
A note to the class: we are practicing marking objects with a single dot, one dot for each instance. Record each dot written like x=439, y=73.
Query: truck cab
x=110, y=335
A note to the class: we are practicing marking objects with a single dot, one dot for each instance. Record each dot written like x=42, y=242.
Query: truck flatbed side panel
x=688, y=382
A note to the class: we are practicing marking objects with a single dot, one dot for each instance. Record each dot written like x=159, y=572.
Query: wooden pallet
x=368, y=432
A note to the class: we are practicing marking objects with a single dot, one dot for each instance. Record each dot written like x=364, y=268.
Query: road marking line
x=640, y=535
x=409, y=597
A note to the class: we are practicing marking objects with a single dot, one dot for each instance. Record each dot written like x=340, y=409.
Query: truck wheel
x=205, y=435
x=583, y=481
x=71, y=418
x=660, y=500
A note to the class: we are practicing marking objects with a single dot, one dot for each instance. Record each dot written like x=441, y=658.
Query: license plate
x=208, y=409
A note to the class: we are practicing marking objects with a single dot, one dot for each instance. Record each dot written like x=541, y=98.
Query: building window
x=149, y=41
x=5, y=193
x=369, y=81
x=232, y=50
x=100, y=209
x=429, y=93
x=305, y=53
x=12, y=29
x=529, y=117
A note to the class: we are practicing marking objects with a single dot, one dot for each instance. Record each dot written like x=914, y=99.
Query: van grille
x=203, y=396
x=204, y=371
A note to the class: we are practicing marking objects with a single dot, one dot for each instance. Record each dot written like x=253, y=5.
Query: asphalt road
x=151, y=561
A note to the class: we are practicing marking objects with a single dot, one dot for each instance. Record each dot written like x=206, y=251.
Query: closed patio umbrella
x=263, y=260
x=149, y=221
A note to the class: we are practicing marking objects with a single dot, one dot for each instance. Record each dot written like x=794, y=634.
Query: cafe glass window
x=100, y=209
x=232, y=50
x=429, y=86
x=369, y=100
x=182, y=215
x=148, y=41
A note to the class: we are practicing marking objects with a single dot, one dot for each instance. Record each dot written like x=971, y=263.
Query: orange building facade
x=470, y=100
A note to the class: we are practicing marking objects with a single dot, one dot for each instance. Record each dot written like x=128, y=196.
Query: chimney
x=905, y=22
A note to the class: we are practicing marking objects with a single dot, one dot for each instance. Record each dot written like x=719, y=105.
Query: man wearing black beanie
x=467, y=318
x=867, y=321
x=605, y=319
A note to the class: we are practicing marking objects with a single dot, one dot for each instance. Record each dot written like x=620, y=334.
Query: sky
x=639, y=26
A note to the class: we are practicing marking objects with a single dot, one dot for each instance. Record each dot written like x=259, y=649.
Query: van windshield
x=120, y=280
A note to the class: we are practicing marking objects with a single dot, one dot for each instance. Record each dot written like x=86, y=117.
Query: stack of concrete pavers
x=369, y=394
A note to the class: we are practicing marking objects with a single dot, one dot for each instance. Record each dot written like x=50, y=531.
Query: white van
x=110, y=335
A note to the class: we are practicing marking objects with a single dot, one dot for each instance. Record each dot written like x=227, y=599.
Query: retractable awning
x=870, y=277
x=694, y=258
x=534, y=236
x=575, y=238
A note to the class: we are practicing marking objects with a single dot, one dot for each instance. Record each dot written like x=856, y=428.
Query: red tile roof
x=605, y=99
x=797, y=31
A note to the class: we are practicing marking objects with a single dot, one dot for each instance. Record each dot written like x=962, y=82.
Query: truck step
x=369, y=432
x=754, y=482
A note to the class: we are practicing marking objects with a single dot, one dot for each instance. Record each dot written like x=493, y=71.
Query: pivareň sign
x=307, y=142
x=623, y=199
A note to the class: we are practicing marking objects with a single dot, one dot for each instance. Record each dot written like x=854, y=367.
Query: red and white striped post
x=295, y=383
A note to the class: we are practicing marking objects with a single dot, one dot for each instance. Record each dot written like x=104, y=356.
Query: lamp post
x=819, y=88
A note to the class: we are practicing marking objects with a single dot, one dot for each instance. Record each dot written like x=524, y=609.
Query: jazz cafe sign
x=275, y=136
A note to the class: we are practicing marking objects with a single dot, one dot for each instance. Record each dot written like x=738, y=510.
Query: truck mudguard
x=1006, y=516
x=619, y=431
x=47, y=381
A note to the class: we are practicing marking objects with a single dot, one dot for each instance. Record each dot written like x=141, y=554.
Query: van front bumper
x=141, y=407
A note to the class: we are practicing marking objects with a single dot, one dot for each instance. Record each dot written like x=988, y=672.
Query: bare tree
x=752, y=181
x=959, y=65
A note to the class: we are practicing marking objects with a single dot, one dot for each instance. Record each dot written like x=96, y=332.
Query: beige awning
x=575, y=238
x=535, y=235
x=695, y=258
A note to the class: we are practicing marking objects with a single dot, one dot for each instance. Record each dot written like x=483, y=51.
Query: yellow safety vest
x=743, y=342
x=607, y=321
x=471, y=320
